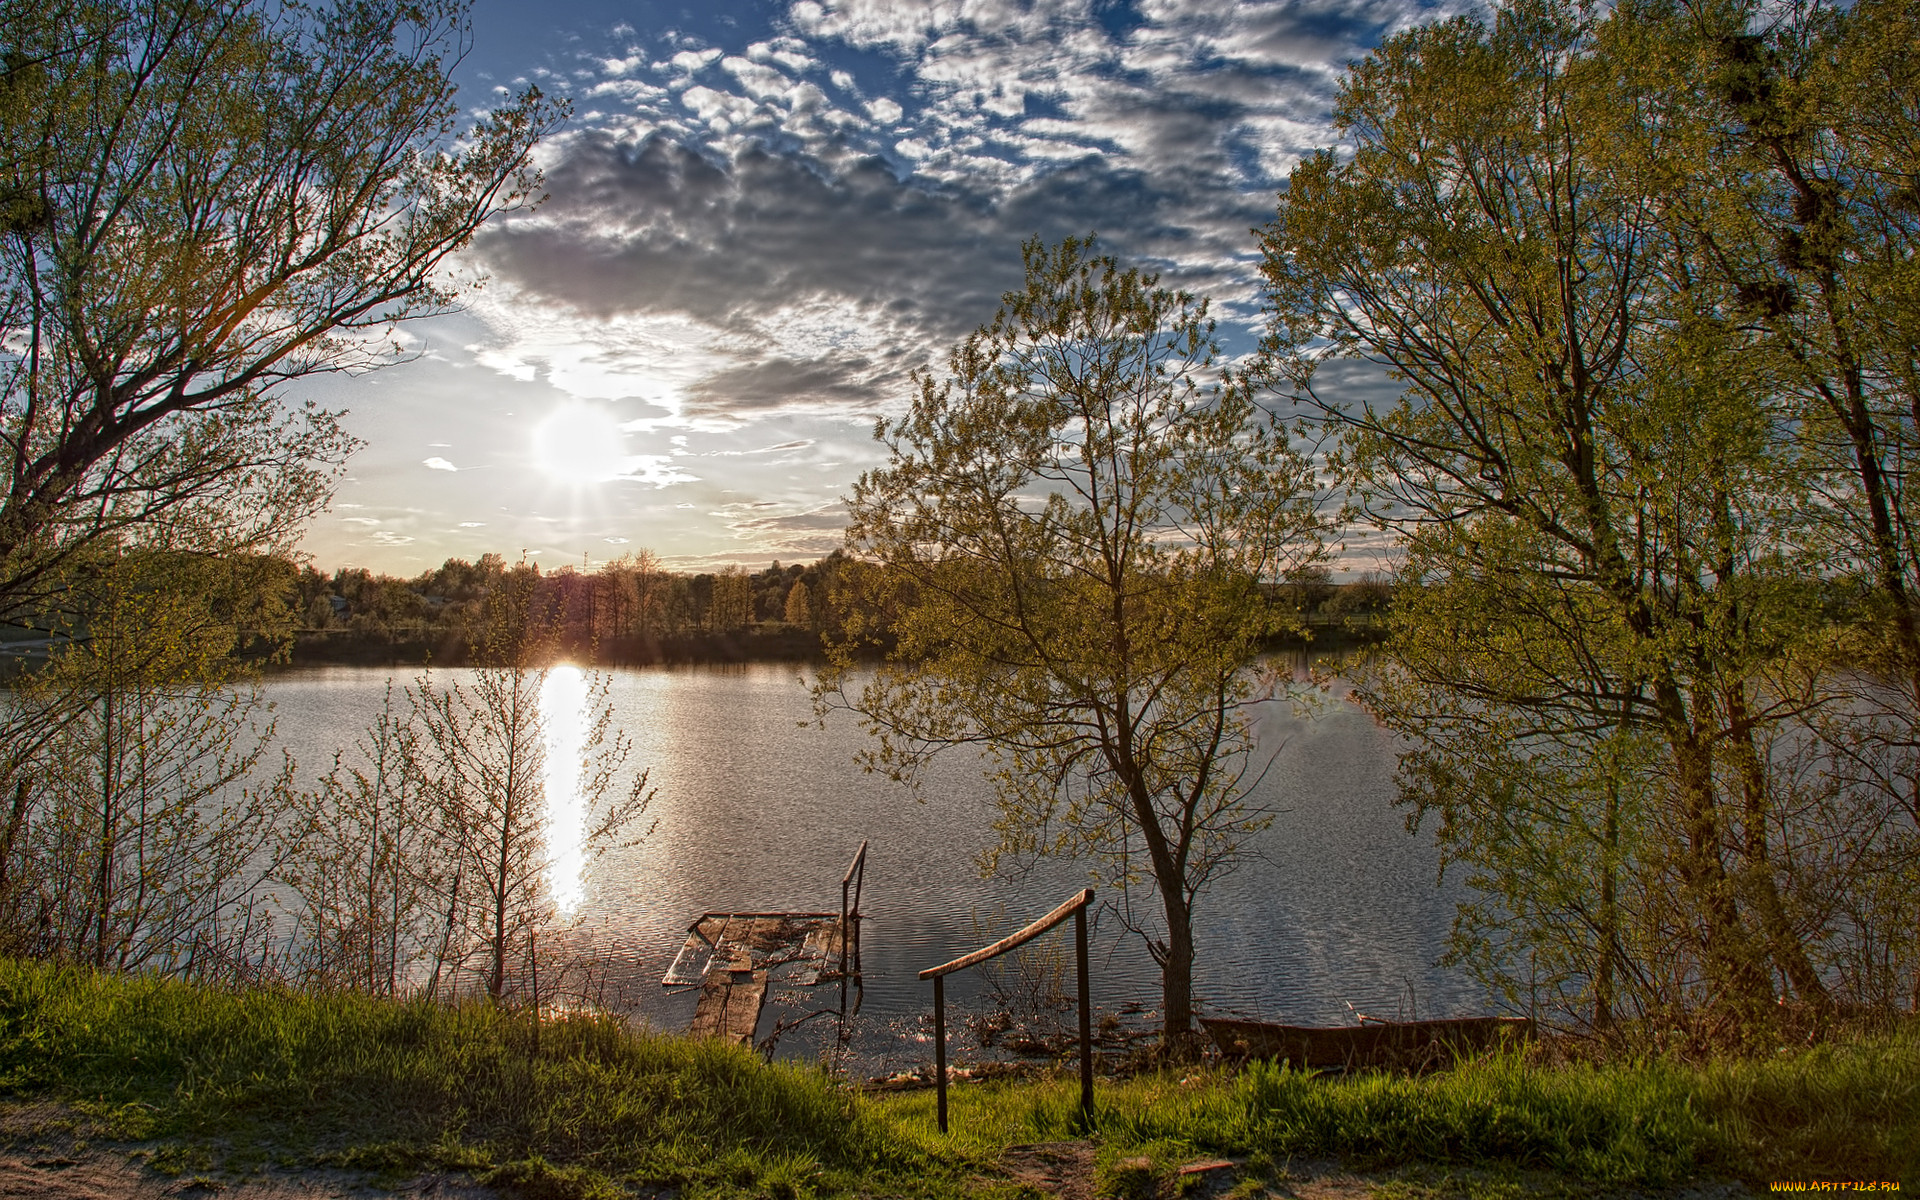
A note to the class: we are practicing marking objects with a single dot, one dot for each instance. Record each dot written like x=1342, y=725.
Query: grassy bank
x=589, y=1108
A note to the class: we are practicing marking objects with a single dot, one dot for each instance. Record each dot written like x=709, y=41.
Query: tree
x=799, y=610
x=200, y=202
x=1070, y=539
x=362, y=860
x=144, y=801
x=1602, y=506
x=1808, y=202
x=732, y=605
x=486, y=754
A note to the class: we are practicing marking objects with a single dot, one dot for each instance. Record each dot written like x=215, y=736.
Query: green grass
x=222, y=1080
x=394, y=1088
x=1846, y=1111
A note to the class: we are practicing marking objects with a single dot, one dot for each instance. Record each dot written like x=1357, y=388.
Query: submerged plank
x=696, y=954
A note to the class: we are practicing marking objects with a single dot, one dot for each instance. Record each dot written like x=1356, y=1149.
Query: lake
x=758, y=810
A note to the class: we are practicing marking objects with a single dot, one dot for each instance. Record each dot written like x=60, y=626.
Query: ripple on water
x=760, y=810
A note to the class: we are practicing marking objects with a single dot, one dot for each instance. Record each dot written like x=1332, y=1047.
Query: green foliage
x=1069, y=542
x=392, y=1087
x=201, y=200
x=1612, y=501
x=385, y=1086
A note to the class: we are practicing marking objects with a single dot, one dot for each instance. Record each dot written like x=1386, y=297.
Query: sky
x=763, y=216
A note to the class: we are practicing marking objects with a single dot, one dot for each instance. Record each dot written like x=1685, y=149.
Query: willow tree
x=1611, y=524
x=202, y=201
x=1071, y=536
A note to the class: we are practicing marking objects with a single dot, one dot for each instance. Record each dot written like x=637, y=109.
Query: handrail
x=1075, y=908
x=1013, y=940
x=854, y=880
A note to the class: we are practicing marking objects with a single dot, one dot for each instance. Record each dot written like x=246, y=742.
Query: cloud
x=436, y=463
x=821, y=292
x=814, y=532
x=387, y=537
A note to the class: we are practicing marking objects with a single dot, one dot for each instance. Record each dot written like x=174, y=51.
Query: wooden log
x=1401, y=1045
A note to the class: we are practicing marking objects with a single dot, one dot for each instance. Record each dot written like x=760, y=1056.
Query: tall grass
x=585, y=1105
x=396, y=1087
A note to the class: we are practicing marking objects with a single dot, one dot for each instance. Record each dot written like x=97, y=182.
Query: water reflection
x=758, y=810
x=563, y=713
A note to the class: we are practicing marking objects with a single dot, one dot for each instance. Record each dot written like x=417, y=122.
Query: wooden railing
x=1075, y=908
x=855, y=877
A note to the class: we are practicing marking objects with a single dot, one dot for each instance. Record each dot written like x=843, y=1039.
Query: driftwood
x=1397, y=1045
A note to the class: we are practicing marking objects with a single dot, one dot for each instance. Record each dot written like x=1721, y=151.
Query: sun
x=580, y=443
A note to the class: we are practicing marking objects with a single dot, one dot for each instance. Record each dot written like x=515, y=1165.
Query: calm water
x=759, y=811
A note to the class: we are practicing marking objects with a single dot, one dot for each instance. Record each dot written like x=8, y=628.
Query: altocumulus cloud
x=829, y=239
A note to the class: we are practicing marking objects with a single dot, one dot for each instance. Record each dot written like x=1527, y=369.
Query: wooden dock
x=732, y=956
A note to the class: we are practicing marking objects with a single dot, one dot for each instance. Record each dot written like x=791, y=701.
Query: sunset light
x=563, y=704
x=580, y=443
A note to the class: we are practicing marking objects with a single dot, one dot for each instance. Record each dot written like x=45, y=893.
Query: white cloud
x=436, y=463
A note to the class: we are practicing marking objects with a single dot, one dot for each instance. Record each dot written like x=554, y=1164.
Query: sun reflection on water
x=563, y=705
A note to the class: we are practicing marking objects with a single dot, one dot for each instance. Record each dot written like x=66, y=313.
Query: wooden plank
x=729, y=1006
x=696, y=954
x=820, y=952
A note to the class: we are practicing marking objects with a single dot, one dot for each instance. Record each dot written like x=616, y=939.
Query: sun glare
x=563, y=702
x=580, y=443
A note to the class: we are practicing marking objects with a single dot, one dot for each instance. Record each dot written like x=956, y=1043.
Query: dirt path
x=1065, y=1171
x=49, y=1152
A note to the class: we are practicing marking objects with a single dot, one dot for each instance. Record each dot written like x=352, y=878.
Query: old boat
x=1400, y=1045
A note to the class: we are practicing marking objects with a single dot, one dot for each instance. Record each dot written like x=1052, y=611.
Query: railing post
x=1075, y=908
x=940, y=1047
x=1086, y=1012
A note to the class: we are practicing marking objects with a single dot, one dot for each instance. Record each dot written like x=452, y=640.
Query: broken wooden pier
x=731, y=956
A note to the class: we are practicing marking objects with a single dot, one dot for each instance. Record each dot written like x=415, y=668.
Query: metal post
x=1086, y=1013
x=940, y=1046
x=846, y=931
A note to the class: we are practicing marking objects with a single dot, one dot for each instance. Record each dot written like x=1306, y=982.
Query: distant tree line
x=632, y=611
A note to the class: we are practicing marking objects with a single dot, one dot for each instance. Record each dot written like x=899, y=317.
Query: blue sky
x=763, y=216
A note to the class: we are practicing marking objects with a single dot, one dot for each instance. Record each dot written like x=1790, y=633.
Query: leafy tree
x=1808, y=204
x=200, y=201
x=1071, y=535
x=732, y=605
x=1602, y=504
x=799, y=608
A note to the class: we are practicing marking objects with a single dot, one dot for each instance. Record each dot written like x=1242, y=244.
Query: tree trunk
x=1176, y=974
x=1734, y=975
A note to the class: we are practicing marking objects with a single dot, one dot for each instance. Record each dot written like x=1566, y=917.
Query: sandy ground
x=48, y=1152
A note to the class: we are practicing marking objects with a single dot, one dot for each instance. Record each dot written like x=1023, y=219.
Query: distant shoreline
x=770, y=643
